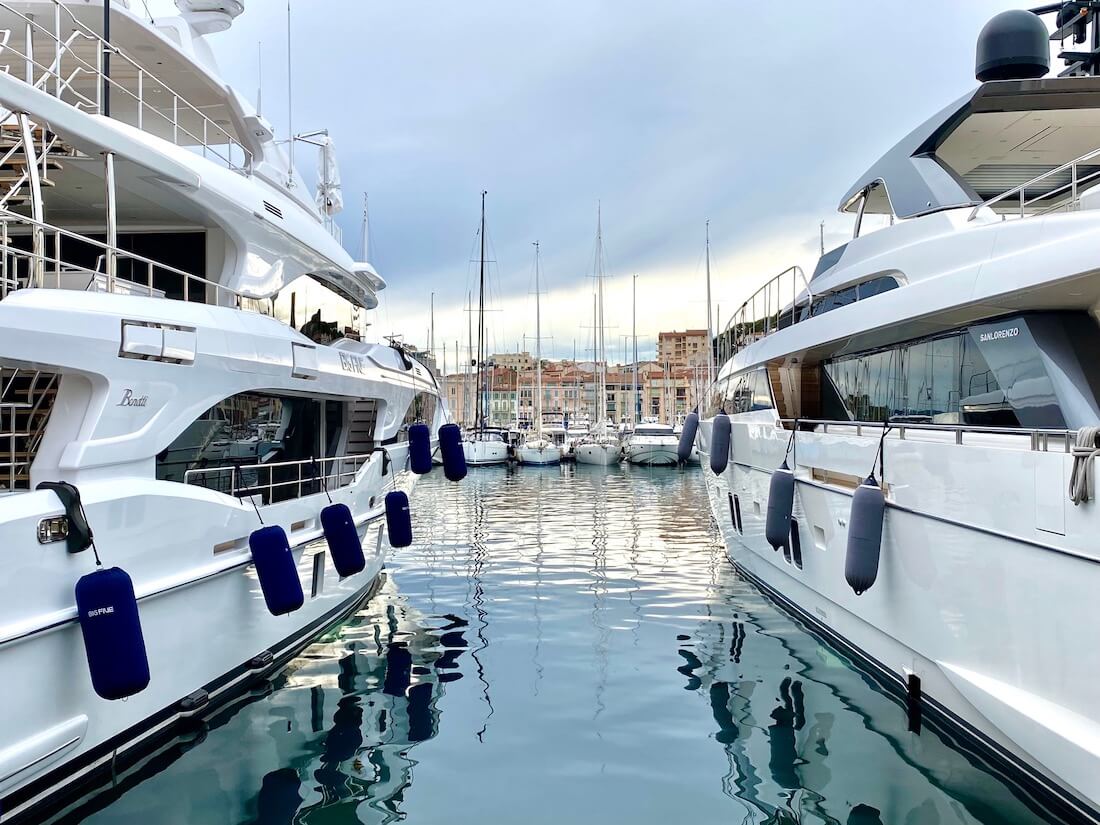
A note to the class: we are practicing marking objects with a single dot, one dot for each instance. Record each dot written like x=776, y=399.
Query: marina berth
x=185, y=455
x=903, y=422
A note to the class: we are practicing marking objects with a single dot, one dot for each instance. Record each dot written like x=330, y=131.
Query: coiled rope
x=1084, y=451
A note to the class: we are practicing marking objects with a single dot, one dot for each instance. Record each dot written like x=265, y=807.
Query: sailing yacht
x=537, y=448
x=601, y=445
x=483, y=445
x=165, y=413
x=905, y=438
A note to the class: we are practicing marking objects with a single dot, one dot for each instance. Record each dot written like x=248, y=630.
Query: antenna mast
x=710, y=318
x=481, y=318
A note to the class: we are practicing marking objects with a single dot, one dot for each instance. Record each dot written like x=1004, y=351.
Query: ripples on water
x=564, y=645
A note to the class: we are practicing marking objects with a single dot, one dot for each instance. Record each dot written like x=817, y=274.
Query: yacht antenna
x=821, y=227
x=1074, y=19
x=366, y=229
x=259, y=77
x=106, y=57
x=289, y=101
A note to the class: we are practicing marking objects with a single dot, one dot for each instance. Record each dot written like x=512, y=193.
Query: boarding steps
x=26, y=401
x=15, y=182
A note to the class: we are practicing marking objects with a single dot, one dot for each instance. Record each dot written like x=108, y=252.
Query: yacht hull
x=602, y=455
x=539, y=456
x=997, y=663
x=208, y=635
x=485, y=453
x=651, y=455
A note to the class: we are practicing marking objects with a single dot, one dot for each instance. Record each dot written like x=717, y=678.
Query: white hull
x=539, y=456
x=602, y=455
x=651, y=454
x=484, y=453
x=972, y=597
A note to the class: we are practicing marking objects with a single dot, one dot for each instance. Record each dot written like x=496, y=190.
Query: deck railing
x=1081, y=173
x=292, y=479
x=21, y=268
x=774, y=306
x=144, y=100
x=1039, y=440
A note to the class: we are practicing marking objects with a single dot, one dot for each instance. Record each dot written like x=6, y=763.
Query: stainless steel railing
x=774, y=306
x=1039, y=440
x=23, y=422
x=1065, y=196
x=145, y=101
x=21, y=268
x=291, y=479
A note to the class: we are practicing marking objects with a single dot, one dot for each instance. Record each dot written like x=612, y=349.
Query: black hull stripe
x=1055, y=799
x=59, y=784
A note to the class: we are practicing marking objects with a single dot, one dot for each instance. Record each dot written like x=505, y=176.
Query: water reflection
x=564, y=645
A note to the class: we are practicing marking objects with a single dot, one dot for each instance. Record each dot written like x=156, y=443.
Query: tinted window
x=230, y=440
x=849, y=295
x=988, y=375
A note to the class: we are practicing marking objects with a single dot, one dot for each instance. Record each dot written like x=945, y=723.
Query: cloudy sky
x=756, y=116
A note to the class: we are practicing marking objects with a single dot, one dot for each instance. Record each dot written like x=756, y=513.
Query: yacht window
x=849, y=295
x=992, y=374
x=227, y=447
x=748, y=392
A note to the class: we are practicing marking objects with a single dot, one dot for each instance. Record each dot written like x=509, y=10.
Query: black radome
x=1014, y=45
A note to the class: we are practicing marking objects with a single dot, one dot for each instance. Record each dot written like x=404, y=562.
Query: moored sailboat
x=536, y=448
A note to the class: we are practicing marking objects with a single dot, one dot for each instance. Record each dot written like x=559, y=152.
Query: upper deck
x=185, y=152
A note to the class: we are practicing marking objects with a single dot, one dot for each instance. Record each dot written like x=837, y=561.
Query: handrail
x=65, y=48
x=112, y=283
x=1020, y=191
x=1040, y=437
x=746, y=322
x=333, y=479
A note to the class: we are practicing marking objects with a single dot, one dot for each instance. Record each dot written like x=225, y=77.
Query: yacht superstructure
x=155, y=245
x=944, y=366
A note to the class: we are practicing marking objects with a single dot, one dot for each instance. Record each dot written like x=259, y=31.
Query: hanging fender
x=107, y=610
x=420, y=449
x=861, y=558
x=398, y=519
x=777, y=528
x=343, y=539
x=720, y=443
x=276, y=570
x=687, y=437
x=450, y=451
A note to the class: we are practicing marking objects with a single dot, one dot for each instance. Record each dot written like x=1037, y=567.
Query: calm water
x=564, y=645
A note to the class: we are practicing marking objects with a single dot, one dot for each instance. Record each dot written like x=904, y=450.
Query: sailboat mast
x=634, y=332
x=468, y=400
x=601, y=364
x=538, y=349
x=595, y=367
x=710, y=323
x=481, y=320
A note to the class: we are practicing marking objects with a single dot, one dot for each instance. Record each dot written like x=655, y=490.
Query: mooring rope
x=1084, y=451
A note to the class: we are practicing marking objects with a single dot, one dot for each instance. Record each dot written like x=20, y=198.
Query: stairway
x=14, y=178
x=26, y=400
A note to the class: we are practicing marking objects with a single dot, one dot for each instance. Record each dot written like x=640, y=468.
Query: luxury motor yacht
x=159, y=394
x=904, y=439
x=651, y=444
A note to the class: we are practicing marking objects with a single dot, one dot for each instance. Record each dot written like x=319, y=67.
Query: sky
x=754, y=116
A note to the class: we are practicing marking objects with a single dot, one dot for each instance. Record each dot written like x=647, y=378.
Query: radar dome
x=1014, y=45
x=210, y=16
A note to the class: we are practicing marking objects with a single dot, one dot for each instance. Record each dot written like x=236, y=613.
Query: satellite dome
x=1014, y=45
x=210, y=16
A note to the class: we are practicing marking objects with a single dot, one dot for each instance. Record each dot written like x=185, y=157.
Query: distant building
x=521, y=361
x=682, y=349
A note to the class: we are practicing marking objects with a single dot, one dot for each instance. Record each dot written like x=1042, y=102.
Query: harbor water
x=563, y=644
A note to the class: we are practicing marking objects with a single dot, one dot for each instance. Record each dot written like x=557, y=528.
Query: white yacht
x=536, y=448
x=157, y=393
x=923, y=408
x=651, y=444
